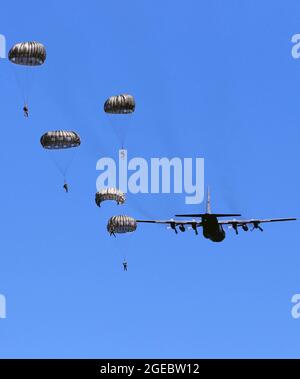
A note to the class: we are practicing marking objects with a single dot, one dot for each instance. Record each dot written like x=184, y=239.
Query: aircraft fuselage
x=212, y=229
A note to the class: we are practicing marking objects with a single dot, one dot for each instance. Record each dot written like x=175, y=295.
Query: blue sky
x=211, y=79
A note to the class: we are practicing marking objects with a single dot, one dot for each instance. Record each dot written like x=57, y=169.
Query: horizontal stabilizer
x=210, y=214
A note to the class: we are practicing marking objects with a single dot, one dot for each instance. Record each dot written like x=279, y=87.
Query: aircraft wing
x=173, y=222
x=254, y=221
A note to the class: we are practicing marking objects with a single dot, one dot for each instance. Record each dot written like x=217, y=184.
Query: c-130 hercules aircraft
x=212, y=227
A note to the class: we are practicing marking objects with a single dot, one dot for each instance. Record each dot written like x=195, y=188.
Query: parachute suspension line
x=29, y=78
x=124, y=255
x=29, y=54
x=26, y=85
x=125, y=129
x=122, y=137
x=124, y=105
x=23, y=83
x=63, y=169
x=125, y=134
x=57, y=165
x=18, y=83
x=122, y=142
x=60, y=140
x=31, y=81
x=70, y=162
x=119, y=133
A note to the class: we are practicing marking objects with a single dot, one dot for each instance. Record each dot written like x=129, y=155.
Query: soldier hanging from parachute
x=120, y=105
x=121, y=224
x=61, y=140
x=29, y=54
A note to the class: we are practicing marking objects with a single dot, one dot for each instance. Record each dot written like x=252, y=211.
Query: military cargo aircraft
x=212, y=227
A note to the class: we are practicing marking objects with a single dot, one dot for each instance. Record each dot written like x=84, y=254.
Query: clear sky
x=211, y=79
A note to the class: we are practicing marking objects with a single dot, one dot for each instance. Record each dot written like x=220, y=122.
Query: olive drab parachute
x=60, y=144
x=28, y=54
x=121, y=104
x=60, y=139
x=110, y=194
x=121, y=224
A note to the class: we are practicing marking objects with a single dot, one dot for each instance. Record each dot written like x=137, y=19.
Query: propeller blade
x=245, y=227
x=235, y=227
x=173, y=226
x=194, y=227
x=182, y=228
x=256, y=225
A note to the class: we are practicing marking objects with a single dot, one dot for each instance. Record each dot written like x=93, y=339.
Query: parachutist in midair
x=121, y=224
x=26, y=111
x=66, y=188
x=122, y=153
x=29, y=53
x=125, y=265
x=109, y=194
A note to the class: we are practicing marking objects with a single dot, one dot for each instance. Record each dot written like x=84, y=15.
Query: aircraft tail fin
x=208, y=205
x=208, y=211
